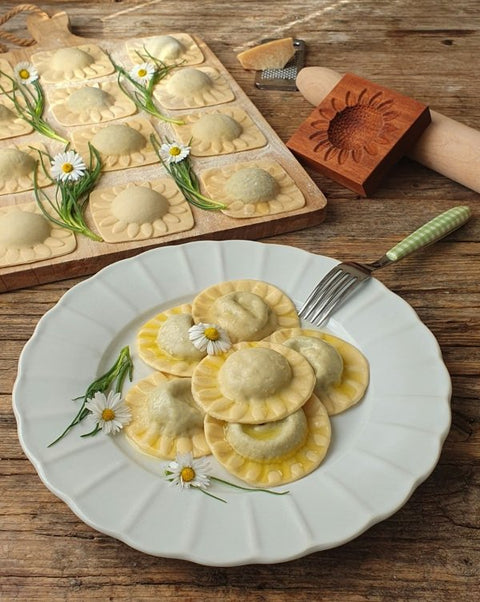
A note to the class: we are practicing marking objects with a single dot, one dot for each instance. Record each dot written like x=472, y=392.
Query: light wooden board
x=90, y=256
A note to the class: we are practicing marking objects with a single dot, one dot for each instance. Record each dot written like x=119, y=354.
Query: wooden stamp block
x=358, y=132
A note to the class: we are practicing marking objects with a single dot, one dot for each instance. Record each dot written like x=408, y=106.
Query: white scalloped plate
x=382, y=449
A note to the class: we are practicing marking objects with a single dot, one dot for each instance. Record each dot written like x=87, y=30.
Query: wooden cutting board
x=90, y=256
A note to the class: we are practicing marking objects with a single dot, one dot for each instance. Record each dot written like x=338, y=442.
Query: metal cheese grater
x=282, y=79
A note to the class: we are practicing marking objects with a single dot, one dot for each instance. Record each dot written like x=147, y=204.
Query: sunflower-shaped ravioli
x=17, y=166
x=73, y=63
x=193, y=87
x=27, y=236
x=254, y=188
x=253, y=383
x=166, y=421
x=225, y=130
x=100, y=102
x=341, y=370
x=164, y=343
x=272, y=453
x=137, y=211
x=121, y=145
x=11, y=124
x=178, y=48
x=248, y=310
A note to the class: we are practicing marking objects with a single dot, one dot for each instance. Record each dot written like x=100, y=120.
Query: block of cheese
x=270, y=55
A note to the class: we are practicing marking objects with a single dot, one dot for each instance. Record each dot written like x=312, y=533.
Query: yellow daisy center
x=108, y=414
x=175, y=151
x=142, y=72
x=67, y=167
x=24, y=73
x=187, y=473
x=212, y=333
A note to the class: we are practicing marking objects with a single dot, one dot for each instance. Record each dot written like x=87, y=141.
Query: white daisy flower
x=174, y=153
x=210, y=338
x=110, y=412
x=185, y=472
x=143, y=73
x=68, y=166
x=25, y=73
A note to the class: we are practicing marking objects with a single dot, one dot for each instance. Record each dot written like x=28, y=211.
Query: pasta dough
x=27, y=236
x=165, y=418
x=11, y=124
x=226, y=130
x=341, y=370
x=274, y=453
x=255, y=188
x=72, y=63
x=173, y=48
x=17, y=166
x=253, y=383
x=137, y=211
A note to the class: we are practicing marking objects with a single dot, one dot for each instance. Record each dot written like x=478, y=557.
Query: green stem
x=218, y=480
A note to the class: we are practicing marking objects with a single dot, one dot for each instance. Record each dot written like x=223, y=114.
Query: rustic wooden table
x=429, y=549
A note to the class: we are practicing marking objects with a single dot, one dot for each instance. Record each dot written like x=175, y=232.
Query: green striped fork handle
x=430, y=232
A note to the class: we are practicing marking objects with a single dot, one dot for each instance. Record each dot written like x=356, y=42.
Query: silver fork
x=340, y=282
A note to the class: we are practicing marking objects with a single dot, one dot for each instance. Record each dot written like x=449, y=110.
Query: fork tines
x=329, y=292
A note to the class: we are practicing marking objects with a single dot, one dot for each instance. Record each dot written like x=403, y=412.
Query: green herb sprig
x=31, y=106
x=71, y=196
x=185, y=178
x=142, y=93
x=114, y=377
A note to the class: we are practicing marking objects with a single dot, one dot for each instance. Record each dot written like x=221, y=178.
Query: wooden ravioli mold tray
x=52, y=33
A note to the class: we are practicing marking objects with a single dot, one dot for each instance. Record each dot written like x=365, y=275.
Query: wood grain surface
x=429, y=549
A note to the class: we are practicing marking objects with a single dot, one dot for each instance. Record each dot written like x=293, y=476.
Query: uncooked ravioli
x=254, y=188
x=17, y=166
x=273, y=453
x=253, y=383
x=90, y=104
x=72, y=63
x=137, y=211
x=192, y=87
x=27, y=236
x=225, y=130
x=166, y=421
x=11, y=124
x=175, y=48
x=121, y=145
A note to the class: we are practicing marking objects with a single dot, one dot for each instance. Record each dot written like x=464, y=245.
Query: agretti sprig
x=73, y=183
x=176, y=160
x=28, y=99
x=112, y=383
x=141, y=80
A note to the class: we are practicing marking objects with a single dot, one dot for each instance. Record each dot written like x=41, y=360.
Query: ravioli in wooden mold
x=225, y=130
x=27, y=236
x=11, y=124
x=72, y=63
x=121, y=145
x=137, y=211
x=249, y=310
x=17, y=167
x=252, y=383
x=254, y=188
x=276, y=452
x=192, y=88
x=166, y=421
x=163, y=342
x=97, y=103
x=341, y=370
x=178, y=48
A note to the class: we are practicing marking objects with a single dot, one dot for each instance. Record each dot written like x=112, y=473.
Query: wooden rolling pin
x=447, y=146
